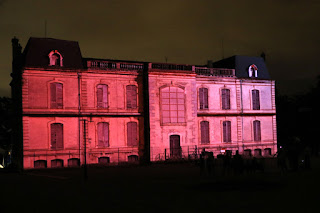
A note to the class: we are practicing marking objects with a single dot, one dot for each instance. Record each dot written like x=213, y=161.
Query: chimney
x=16, y=49
x=209, y=64
x=263, y=55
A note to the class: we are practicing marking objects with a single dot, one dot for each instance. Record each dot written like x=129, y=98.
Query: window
x=257, y=152
x=57, y=163
x=204, y=126
x=255, y=100
x=203, y=98
x=73, y=162
x=103, y=160
x=56, y=136
x=226, y=131
x=56, y=95
x=267, y=152
x=102, y=96
x=131, y=96
x=256, y=131
x=172, y=105
x=225, y=98
x=55, y=58
x=103, y=134
x=132, y=136
x=133, y=158
x=39, y=164
x=247, y=152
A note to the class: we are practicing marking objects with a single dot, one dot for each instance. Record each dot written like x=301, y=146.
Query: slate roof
x=241, y=65
x=37, y=50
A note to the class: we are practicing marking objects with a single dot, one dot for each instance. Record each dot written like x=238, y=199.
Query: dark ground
x=160, y=188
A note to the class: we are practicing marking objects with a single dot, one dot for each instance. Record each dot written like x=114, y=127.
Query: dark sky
x=184, y=31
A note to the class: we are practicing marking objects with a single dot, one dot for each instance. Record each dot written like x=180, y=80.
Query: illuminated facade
x=72, y=109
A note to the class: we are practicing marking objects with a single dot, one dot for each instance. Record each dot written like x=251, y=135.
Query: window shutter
x=106, y=134
x=100, y=134
x=205, y=98
x=132, y=134
x=53, y=96
x=134, y=97
x=225, y=99
x=59, y=95
x=255, y=100
x=53, y=136
x=201, y=98
x=256, y=131
x=204, y=125
x=59, y=133
x=129, y=98
x=99, y=96
x=226, y=131
x=105, y=96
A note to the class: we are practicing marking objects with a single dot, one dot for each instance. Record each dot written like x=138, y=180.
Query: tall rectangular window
x=225, y=98
x=203, y=98
x=131, y=92
x=103, y=134
x=172, y=105
x=56, y=95
x=204, y=126
x=102, y=96
x=226, y=131
x=132, y=134
x=255, y=100
x=56, y=136
x=256, y=131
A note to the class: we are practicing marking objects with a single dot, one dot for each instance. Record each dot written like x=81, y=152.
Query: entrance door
x=175, y=148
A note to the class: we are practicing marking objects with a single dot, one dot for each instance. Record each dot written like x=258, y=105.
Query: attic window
x=55, y=58
x=253, y=71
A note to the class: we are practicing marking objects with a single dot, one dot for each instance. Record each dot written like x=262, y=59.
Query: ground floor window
x=104, y=160
x=257, y=152
x=73, y=162
x=39, y=164
x=267, y=152
x=247, y=152
x=133, y=158
x=57, y=163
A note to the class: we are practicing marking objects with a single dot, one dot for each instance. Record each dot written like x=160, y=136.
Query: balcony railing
x=161, y=66
x=215, y=72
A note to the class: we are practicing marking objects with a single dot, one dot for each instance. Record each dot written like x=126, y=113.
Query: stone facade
x=138, y=96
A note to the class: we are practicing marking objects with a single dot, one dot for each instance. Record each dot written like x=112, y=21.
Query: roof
x=241, y=65
x=37, y=50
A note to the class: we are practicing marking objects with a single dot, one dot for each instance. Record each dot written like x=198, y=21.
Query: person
x=281, y=160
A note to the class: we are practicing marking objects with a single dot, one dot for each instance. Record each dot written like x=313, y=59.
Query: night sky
x=183, y=31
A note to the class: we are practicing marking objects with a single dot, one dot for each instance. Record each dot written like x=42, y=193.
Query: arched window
x=225, y=98
x=203, y=98
x=56, y=95
x=256, y=130
x=131, y=92
x=255, y=100
x=102, y=96
x=39, y=164
x=132, y=134
x=226, y=131
x=172, y=105
x=55, y=58
x=56, y=136
x=103, y=134
x=204, y=125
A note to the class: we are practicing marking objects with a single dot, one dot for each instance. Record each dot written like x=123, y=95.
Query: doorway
x=175, y=148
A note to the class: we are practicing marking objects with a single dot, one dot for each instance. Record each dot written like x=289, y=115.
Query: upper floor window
x=204, y=126
x=256, y=130
x=56, y=95
x=172, y=105
x=203, y=98
x=56, y=136
x=102, y=96
x=226, y=131
x=225, y=98
x=103, y=134
x=55, y=58
x=132, y=136
x=255, y=99
x=253, y=71
x=131, y=91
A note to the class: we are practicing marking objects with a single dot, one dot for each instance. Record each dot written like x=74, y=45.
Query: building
x=72, y=110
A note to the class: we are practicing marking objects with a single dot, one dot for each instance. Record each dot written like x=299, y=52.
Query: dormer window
x=253, y=71
x=55, y=58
